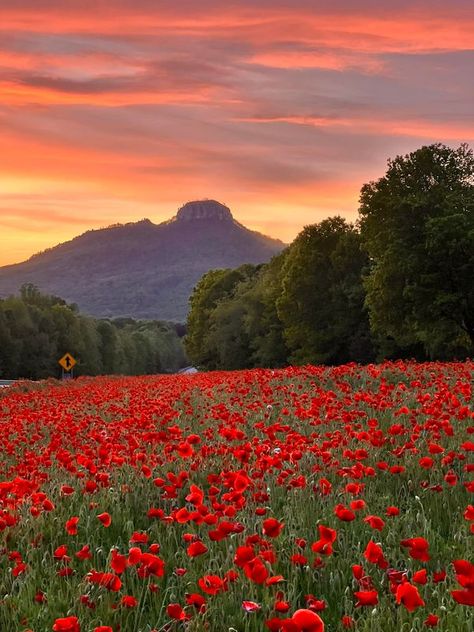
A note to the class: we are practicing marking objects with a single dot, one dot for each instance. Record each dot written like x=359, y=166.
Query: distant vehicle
x=188, y=370
x=5, y=383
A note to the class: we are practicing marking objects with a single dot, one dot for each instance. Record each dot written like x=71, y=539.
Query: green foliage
x=398, y=285
x=37, y=329
x=321, y=303
x=306, y=305
x=215, y=337
x=262, y=324
x=140, y=269
x=417, y=225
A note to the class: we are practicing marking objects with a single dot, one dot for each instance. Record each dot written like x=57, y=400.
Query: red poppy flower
x=175, y=611
x=134, y=555
x=40, y=597
x=344, y=514
x=275, y=579
x=469, y=513
x=128, y=601
x=119, y=562
x=251, y=606
x=464, y=573
x=358, y=504
x=196, y=548
x=439, y=576
x=272, y=527
x=418, y=548
x=366, y=598
x=325, y=487
x=431, y=621
x=256, y=571
x=71, y=525
x=48, y=505
x=308, y=621
x=196, y=496
x=67, y=624
x=464, y=597
x=60, y=553
x=373, y=553
x=243, y=555
x=105, y=519
x=451, y=478
x=283, y=625
x=151, y=564
x=108, y=580
x=326, y=540
x=408, y=595
x=375, y=522
x=465, y=577
x=420, y=577
x=84, y=553
x=426, y=462
x=197, y=601
x=298, y=559
x=138, y=538
x=212, y=584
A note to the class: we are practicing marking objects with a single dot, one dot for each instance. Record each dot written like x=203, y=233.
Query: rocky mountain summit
x=142, y=269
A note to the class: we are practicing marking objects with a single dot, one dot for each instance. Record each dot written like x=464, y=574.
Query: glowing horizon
x=113, y=112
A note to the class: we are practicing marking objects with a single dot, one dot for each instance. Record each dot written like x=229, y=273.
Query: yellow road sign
x=67, y=362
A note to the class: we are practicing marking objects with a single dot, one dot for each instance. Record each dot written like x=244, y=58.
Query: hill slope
x=142, y=269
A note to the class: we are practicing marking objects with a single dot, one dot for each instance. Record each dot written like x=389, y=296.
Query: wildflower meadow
x=295, y=500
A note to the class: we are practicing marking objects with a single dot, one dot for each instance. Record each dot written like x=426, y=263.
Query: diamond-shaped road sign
x=67, y=362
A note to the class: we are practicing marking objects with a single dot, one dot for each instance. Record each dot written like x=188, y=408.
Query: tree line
x=398, y=283
x=36, y=330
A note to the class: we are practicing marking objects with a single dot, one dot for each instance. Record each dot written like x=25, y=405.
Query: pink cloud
x=280, y=108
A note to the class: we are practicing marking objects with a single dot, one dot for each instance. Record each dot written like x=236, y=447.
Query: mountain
x=142, y=269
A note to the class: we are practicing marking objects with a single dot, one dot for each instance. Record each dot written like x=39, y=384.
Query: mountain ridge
x=142, y=269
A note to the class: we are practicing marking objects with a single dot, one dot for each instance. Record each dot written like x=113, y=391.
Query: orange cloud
x=368, y=126
x=112, y=111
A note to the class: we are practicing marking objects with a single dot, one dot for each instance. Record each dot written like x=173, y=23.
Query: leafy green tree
x=261, y=322
x=202, y=339
x=8, y=347
x=228, y=341
x=37, y=329
x=108, y=345
x=322, y=300
x=417, y=225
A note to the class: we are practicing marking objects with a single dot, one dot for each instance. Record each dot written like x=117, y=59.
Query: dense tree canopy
x=215, y=337
x=398, y=284
x=306, y=305
x=37, y=329
x=417, y=225
x=321, y=304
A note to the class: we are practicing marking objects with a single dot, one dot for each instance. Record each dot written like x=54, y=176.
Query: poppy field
x=295, y=500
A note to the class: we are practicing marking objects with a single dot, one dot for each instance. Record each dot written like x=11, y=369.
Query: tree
x=322, y=300
x=203, y=338
x=37, y=329
x=417, y=226
x=261, y=322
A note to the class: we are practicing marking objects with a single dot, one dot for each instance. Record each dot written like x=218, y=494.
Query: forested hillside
x=142, y=269
x=36, y=330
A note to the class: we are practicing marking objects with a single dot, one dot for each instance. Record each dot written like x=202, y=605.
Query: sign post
x=67, y=363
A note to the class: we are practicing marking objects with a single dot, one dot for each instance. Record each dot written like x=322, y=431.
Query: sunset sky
x=112, y=111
